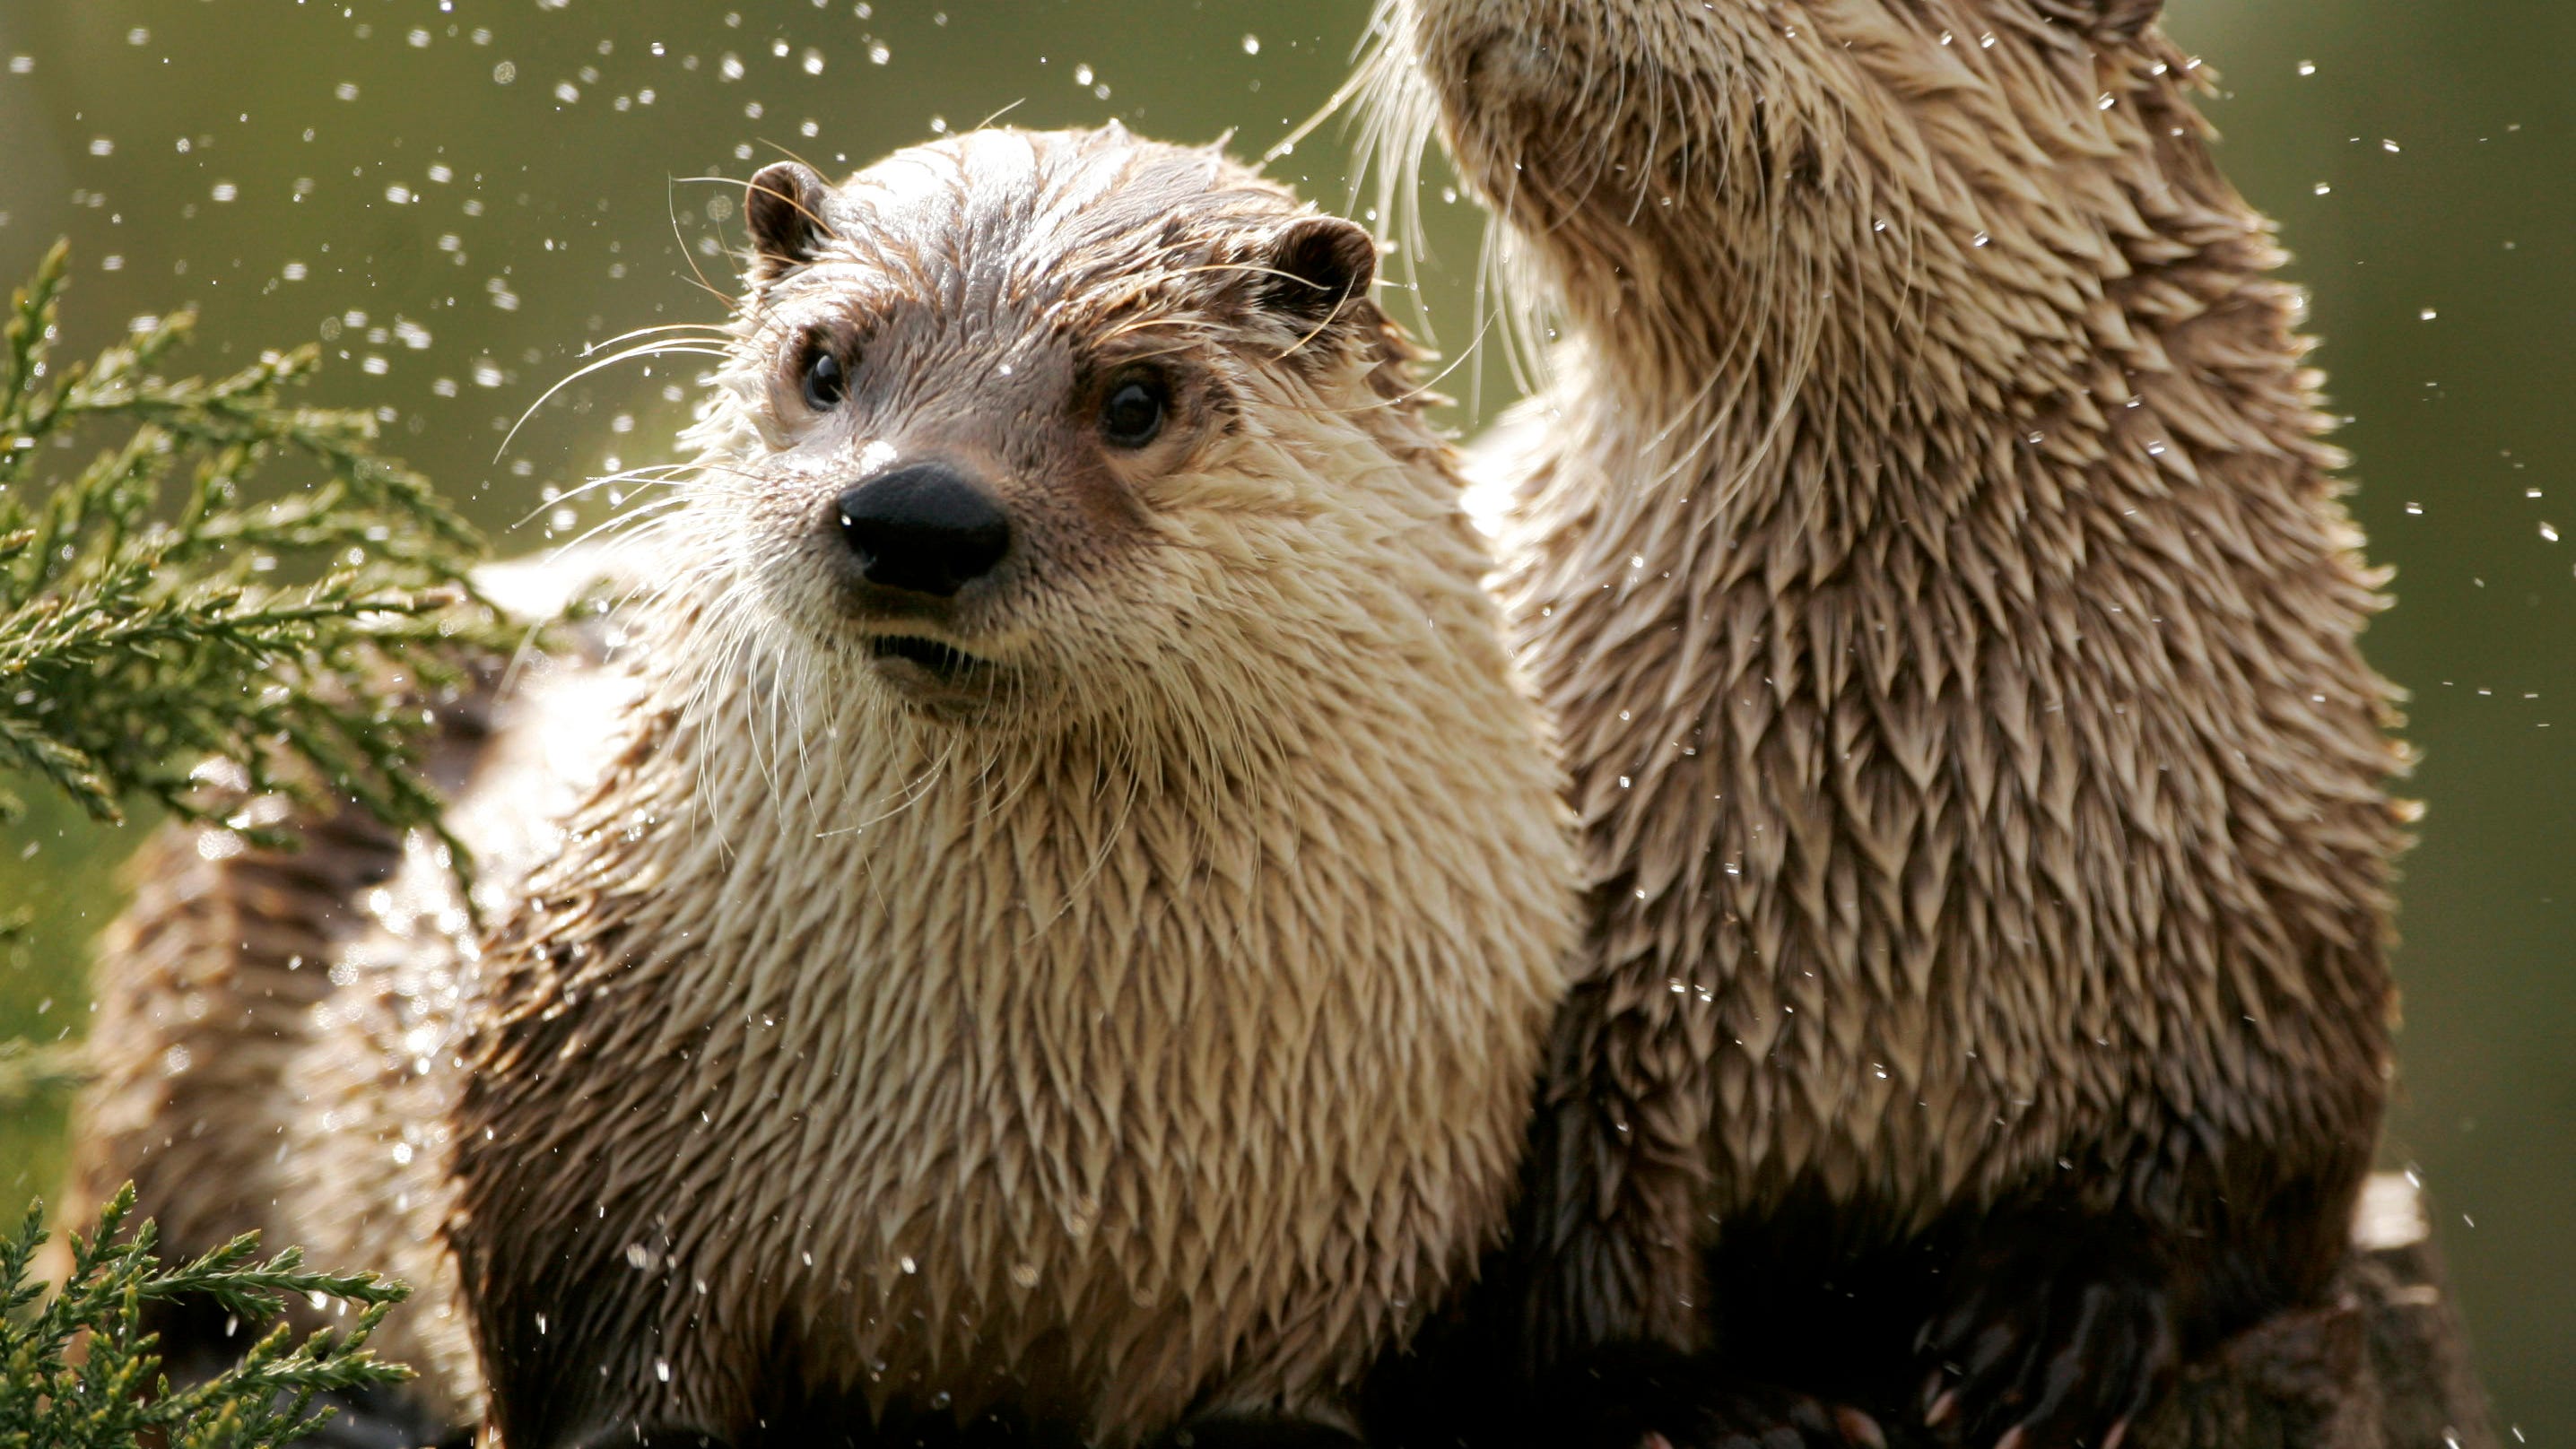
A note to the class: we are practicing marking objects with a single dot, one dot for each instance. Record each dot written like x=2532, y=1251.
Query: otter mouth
x=943, y=663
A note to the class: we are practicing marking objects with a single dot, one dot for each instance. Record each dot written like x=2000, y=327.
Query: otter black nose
x=926, y=528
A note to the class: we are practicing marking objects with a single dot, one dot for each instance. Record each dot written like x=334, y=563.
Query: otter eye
x=1133, y=415
x=825, y=383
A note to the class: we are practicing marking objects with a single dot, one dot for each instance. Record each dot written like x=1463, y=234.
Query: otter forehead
x=1030, y=221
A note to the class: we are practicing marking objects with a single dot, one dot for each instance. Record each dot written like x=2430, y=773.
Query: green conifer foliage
x=80, y=1373
x=151, y=618
x=156, y=615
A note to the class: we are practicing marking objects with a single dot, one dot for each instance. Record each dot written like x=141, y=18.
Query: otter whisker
x=665, y=349
x=714, y=332
x=670, y=209
x=640, y=475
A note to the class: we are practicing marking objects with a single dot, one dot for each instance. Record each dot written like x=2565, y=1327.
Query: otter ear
x=1314, y=265
x=2109, y=19
x=784, y=207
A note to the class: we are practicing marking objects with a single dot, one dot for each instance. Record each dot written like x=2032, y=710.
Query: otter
x=1060, y=936
x=1929, y=557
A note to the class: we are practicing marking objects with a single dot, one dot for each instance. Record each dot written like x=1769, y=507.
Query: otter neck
x=1848, y=332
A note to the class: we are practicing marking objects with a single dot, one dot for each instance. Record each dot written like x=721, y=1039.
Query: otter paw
x=1754, y=1416
x=1651, y=1399
x=2056, y=1358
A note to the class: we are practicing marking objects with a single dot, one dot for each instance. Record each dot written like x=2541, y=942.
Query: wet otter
x=1061, y=945
x=1928, y=555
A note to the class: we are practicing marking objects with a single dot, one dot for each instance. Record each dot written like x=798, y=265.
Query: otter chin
x=1058, y=928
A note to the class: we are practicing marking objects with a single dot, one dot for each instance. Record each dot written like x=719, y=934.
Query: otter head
x=1724, y=163
x=1017, y=425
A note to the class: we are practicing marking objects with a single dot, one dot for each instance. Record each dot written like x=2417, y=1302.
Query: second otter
x=1929, y=556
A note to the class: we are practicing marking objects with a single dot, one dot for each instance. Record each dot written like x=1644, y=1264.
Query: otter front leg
x=2050, y=1336
x=1613, y=1323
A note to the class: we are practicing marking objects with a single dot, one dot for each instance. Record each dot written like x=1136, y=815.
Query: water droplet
x=1251, y=45
x=504, y=73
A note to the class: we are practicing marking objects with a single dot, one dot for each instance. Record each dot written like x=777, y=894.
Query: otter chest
x=1103, y=1158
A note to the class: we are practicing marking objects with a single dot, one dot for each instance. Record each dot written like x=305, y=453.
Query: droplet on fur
x=662, y=1369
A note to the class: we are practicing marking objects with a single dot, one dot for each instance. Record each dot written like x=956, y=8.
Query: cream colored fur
x=1152, y=1034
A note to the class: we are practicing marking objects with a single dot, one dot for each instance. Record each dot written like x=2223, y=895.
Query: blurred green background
x=454, y=196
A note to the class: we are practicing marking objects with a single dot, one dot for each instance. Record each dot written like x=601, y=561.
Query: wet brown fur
x=1926, y=549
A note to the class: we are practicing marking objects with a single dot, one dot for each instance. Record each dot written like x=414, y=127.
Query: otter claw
x=1863, y=1431
x=2043, y=1356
